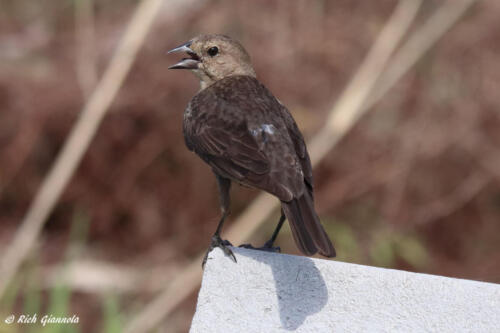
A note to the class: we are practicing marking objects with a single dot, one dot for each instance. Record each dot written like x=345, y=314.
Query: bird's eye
x=213, y=51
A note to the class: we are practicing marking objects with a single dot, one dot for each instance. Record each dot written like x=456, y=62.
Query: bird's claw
x=268, y=247
x=222, y=244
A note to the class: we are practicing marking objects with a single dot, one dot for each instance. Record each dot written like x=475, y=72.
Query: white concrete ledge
x=266, y=292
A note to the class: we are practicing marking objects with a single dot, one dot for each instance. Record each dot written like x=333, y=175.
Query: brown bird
x=246, y=135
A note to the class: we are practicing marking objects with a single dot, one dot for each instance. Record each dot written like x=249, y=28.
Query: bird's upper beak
x=186, y=63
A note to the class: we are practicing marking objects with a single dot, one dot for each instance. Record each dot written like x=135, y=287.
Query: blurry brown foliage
x=426, y=161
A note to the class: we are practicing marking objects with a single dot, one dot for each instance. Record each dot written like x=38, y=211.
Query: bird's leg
x=270, y=242
x=224, y=185
x=268, y=246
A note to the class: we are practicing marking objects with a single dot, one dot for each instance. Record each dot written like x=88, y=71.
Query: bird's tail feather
x=307, y=230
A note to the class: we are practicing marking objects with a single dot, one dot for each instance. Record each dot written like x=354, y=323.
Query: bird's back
x=239, y=128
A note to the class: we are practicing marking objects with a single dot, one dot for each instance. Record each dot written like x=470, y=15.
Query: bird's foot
x=268, y=247
x=222, y=244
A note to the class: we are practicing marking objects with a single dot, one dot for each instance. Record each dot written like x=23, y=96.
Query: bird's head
x=214, y=57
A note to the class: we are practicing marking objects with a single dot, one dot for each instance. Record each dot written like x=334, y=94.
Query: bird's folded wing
x=231, y=151
x=300, y=147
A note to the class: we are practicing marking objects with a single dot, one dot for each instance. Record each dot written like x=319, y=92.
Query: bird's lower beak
x=186, y=63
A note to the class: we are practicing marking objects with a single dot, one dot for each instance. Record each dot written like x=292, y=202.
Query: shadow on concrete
x=300, y=288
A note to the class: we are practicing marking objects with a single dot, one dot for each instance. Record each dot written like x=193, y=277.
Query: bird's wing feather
x=247, y=137
x=300, y=147
x=225, y=143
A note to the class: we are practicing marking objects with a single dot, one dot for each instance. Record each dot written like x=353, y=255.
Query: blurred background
x=414, y=185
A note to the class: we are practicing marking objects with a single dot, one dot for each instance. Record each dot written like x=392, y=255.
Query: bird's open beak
x=186, y=63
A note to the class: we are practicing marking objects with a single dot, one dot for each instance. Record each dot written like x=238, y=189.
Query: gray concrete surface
x=266, y=292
